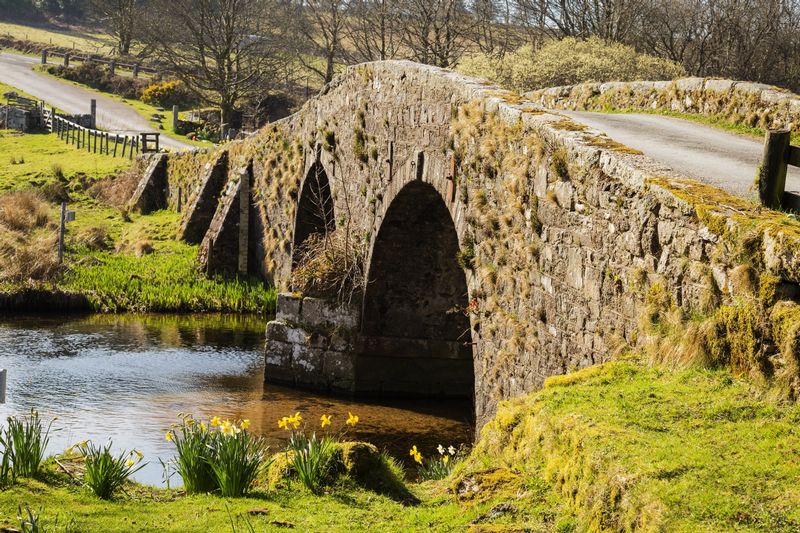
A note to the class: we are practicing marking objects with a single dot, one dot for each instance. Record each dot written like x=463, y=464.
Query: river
x=127, y=377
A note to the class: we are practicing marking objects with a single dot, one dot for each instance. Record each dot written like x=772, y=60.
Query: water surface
x=126, y=377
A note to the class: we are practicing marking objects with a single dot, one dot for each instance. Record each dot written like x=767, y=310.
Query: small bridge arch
x=415, y=331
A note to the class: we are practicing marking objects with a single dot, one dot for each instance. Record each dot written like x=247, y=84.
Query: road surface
x=717, y=157
x=17, y=71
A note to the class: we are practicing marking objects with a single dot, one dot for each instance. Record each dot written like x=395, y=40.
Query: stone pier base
x=311, y=344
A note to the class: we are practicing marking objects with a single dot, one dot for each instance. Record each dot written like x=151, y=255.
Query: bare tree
x=436, y=31
x=321, y=25
x=223, y=50
x=373, y=30
x=121, y=19
x=493, y=30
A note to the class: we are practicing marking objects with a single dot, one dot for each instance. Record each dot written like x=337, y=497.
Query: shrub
x=310, y=457
x=98, y=76
x=167, y=94
x=570, y=61
x=26, y=438
x=105, y=473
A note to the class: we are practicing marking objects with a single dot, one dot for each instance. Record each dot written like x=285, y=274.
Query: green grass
x=86, y=41
x=164, y=281
x=8, y=88
x=674, y=451
x=41, y=152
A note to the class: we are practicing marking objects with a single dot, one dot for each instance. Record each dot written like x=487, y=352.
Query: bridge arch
x=315, y=209
x=415, y=335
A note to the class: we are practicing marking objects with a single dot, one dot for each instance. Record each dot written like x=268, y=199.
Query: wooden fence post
x=772, y=174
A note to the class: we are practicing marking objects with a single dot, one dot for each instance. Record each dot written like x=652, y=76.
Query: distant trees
x=121, y=19
x=224, y=51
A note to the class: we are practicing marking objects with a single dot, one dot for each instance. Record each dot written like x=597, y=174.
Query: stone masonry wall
x=574, y=247
x=735, y=102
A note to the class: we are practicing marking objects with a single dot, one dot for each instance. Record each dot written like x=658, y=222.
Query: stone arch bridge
x=502, y=243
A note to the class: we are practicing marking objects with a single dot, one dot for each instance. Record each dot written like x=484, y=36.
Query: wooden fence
x=778, y=155
x=100, y=142
x=113, y=64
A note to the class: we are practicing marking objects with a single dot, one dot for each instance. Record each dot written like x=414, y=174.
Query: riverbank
x=114, y=260
x=618, y=447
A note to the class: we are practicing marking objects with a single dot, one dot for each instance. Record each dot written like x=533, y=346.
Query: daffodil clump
x=437, y=466
x=309, y=456
x=22, y=445
x=105, y=473
x=221, y=456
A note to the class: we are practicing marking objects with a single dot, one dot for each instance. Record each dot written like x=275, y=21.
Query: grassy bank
x=620, y=447
x=119, y=261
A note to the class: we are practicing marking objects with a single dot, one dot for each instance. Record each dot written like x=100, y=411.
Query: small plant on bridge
x=331, y=266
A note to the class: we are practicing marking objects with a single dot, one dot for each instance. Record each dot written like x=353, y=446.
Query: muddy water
x=127, y=377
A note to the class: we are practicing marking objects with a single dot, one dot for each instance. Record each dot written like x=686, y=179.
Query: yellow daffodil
x=244, y=424
x=325, y=420
x=215, y=422
x=189, y=421
x=352, y=419
x=129, y=463
x=413, y=451
x=445, y=459
x=228, y=428
x=139, y=454
x=418, y=457
x=203, y=426
x=168, y=436
x=283, y=423
x=295, y=420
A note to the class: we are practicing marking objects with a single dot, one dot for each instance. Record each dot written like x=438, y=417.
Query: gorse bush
x=167, y=94
x=221, y=456
x=26, y=439
x=569, y=61
x=105, y=473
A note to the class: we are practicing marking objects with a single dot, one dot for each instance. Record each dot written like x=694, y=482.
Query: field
x=68, y=37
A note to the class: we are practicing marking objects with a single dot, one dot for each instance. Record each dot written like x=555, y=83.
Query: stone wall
x=734, y=102
x=571, y=247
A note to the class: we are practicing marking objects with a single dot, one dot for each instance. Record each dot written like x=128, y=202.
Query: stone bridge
x=502, y=243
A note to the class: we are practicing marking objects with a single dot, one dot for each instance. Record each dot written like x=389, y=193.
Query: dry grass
x=95, y=238
x=115, y=190
x=330, y=266
x=28, y=241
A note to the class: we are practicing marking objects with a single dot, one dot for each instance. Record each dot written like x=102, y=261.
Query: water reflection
x=126, y=377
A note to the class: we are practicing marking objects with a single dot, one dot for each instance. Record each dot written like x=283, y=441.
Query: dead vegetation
x=330, y=266
x=28, y=238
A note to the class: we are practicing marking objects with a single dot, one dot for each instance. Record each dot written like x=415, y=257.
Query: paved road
x=16, y=70
x=711, y=155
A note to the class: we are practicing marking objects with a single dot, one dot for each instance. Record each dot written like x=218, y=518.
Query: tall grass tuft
x=27, y=440
x=6, y=472
x=104, y=472
x=238, y=459
x=311, y=459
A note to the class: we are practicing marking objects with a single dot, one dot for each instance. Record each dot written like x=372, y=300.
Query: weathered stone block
x=288, y=307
